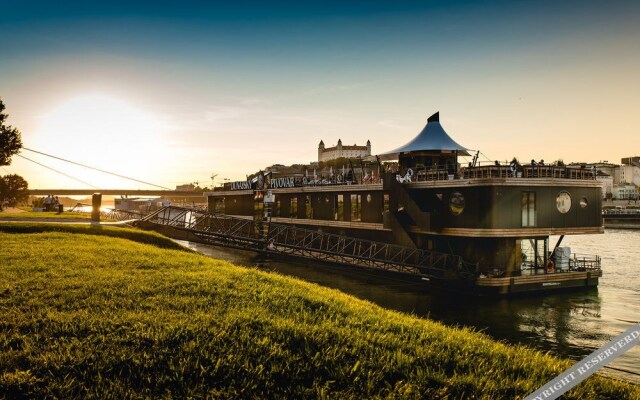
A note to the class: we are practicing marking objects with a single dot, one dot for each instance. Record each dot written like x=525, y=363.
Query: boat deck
x=532, y=281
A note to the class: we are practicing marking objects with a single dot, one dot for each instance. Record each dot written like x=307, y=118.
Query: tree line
x=13, y=188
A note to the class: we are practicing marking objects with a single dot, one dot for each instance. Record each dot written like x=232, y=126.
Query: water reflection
x=571, y=324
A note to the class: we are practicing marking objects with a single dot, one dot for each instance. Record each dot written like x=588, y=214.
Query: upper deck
x=527, y=175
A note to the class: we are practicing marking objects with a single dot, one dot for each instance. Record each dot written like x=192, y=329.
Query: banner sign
x=587, y=367
x=286, y=182
x=239, y=185
x=263, y=181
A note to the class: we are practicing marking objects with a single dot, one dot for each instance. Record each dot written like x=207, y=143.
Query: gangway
x=271, y=238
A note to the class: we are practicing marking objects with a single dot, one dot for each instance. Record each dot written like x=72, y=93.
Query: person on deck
x=513, y=166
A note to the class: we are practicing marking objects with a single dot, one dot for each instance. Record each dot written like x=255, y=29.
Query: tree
x=13, y=190
x=10, y=138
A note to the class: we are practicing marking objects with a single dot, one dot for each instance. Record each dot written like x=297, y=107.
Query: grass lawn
x=106, y=312
x=26, y=213
x=45, y=215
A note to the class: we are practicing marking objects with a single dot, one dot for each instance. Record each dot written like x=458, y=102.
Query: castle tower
x=320, y=150
x=368, y=147
x=339, y=148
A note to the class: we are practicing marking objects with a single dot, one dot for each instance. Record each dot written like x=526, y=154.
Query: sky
x=175, y=92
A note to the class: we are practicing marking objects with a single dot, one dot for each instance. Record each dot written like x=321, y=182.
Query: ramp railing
x=246, y=233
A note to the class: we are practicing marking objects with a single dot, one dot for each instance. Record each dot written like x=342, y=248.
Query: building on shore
x=619, y=181
x=189, y=187
x=339, y=151
x=627, y=191
x=607, y=184
x=630, y=170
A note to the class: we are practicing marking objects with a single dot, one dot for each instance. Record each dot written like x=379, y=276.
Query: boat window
x=339, y=215
x=218, y=205
x=293, y=207
x=308, y=211
x=528, y=209
x=276, y=207
x=563, y=202
x=456, y=203
x=583, y=202
x=356, y=204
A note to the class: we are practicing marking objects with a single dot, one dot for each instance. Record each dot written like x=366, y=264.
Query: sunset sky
x=171, y=92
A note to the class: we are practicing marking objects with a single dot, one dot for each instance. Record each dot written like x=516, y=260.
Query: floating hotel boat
x=621, y=218
x=482, y=229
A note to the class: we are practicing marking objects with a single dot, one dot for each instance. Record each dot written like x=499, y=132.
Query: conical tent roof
x=432, y=138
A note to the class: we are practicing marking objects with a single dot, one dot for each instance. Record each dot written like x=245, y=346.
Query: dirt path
x=11, y=210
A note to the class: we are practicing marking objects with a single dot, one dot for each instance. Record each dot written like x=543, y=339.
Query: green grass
x=136, y=235
x=84, y=314
x=46, y=215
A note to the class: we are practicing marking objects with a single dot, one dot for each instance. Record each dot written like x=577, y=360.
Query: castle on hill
x=331, y=153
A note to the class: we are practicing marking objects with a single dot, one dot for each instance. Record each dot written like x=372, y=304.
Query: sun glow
x=107, y=133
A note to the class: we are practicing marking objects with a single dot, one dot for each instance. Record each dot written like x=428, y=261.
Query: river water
x=570, y=325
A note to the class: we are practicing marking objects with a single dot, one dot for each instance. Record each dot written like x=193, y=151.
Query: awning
x=432, y=138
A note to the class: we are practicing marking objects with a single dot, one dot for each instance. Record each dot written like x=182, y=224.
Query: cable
x=488, y=159
x=96, y=169
x=55, y=170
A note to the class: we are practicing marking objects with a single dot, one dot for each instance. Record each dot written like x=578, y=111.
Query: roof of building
x=432, y=138
x=346, y=148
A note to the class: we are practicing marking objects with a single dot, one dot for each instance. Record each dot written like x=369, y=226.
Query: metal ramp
x=263, y=236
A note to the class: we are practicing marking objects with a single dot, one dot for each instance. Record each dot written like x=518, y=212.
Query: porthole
x=583, y=202
x=563, y=202
x=456, y=203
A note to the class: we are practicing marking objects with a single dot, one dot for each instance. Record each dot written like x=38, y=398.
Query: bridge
x=115, y=192
x=265, y=237
x=159, y=191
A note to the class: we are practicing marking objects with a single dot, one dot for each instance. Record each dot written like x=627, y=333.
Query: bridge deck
x=114, y=192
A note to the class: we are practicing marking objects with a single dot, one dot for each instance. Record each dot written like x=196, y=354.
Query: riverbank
x=88, y=314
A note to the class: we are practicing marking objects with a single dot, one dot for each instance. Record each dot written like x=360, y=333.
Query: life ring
x=551, y=266
x=339, y=178
x=513, y=167
x=409, y=172
x=304, y=181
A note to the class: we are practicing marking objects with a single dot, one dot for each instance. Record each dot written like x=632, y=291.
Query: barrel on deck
x=562, y=257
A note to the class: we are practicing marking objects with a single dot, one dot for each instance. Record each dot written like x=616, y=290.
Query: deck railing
x=577, y=262
x=584, y=262
x=122, y=215
x=500, y=171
